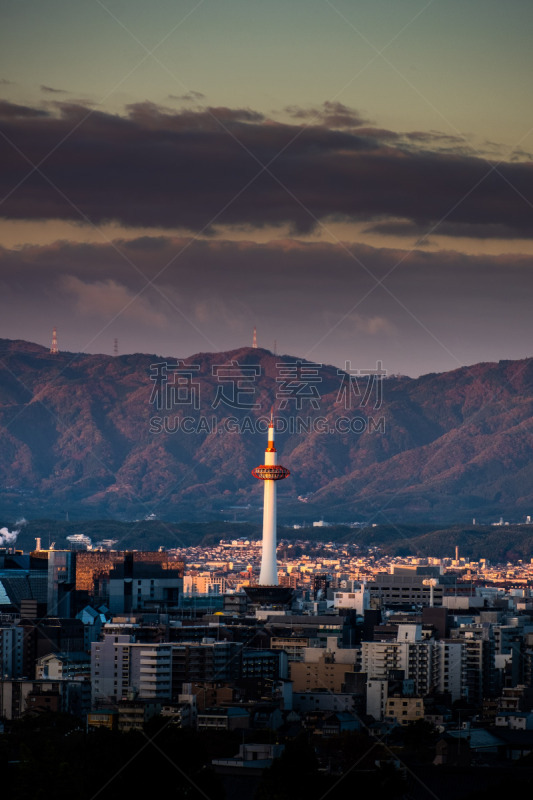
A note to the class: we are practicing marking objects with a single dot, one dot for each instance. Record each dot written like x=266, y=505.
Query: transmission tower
x=54, y=349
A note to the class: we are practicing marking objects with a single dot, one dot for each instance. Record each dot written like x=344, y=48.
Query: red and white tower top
x=270, y=470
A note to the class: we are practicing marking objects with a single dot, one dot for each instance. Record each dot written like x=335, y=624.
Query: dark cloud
x=434, y=311
x=280, y=268
x=379, y=134
x=430, y=137
x=411, y=230
x=221, y=166
x=188, y=97
x=332, y=114
x=213, y=118
x=52, y=90
x=15, y=111
x=521, y=155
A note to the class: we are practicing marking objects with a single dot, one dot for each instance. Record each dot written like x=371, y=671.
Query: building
x=235, y=603
x=450, y=668
x=324, y=701
x=377, y=694
x=203, y=584
x=11, y=652
x=478, y=661
x=49, y=635
x=408, y=586
x=103, y=718
x=61, y=583
x=92, y=568
x=156, y=671
x=357, y=600
x=59, y=666
x=22, y=578
x=264, y=665
x=317, y=629
x=252, y=759
x=136, y=585
x=19, y=697
x=206, y=661
x=134, y=714
x=111, y=669
x=223, y=719
x=410, y=654
x=324, y=673
x=121, y=667
x=294, y=646
x=404, y=709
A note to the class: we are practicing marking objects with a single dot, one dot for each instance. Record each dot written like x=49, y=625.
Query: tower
x=54, y=349
x=254, y=340
x=268, y=590
x=115, y=347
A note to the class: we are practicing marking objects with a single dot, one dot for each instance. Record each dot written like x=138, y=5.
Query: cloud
x=215, y=118
x=518, y=154
x=410, y=230
x=416, y=311
x=12, y=110
x=374, y=325
x=219, y=166
x=187, y=97
x=100, y=279
x=331, y=114
x=430, y=137
x=52, y=90
x=106, y=299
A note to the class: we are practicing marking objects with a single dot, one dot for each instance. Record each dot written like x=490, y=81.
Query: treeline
x=50, y=756
x=495, y=543
x=137, y=535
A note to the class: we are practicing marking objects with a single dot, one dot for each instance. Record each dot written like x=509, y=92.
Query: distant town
x=367, y=645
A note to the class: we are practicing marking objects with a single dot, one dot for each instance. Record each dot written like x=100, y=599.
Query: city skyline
x=355, y=182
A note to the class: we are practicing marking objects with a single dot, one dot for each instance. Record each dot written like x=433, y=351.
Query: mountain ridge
x=77, y=435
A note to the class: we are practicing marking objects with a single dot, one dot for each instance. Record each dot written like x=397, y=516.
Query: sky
x=351, y=177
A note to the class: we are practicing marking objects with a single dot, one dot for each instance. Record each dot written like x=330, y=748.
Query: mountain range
x=131, y=436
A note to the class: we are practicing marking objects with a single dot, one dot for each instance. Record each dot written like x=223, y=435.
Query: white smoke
x=8, y=537
x=20, y=522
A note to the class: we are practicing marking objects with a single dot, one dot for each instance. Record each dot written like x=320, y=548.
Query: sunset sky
x=352, y=177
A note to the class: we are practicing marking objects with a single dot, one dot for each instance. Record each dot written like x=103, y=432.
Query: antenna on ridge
x=254, y=340
x=115, y=347
x=54, y=349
